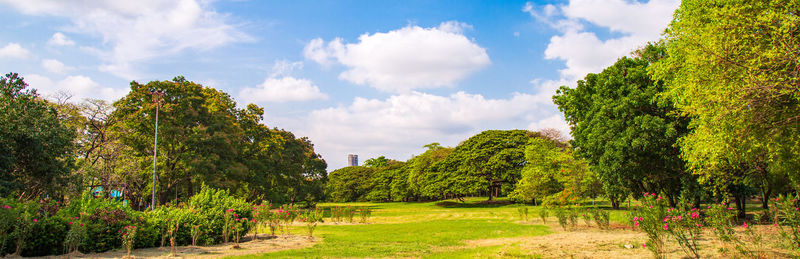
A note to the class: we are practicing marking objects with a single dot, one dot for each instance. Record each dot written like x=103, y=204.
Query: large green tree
x=627, y=133
x=349, y=183
x=487, y=162
x=733, y=67
x=35, y=146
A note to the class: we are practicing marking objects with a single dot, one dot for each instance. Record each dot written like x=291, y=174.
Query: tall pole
x=157, y=98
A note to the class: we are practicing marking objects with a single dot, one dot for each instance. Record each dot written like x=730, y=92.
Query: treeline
x=57, y=149
x=524, y=165
x=710, y=113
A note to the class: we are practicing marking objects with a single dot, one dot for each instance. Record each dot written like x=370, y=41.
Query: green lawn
x=418, y=230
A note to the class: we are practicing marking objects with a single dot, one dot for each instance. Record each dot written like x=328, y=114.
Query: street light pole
x=157, y=98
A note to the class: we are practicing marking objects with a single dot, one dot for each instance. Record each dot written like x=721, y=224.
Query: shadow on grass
x=480, y=204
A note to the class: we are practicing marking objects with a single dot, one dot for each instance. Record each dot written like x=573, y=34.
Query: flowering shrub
x=365, y=212
x=349, y=212
x=128, y=235
x=601, y=217
x=686, y=227
x=652, y=221
x=311, y=218
x=787, y=215
x=752, y=243
x=587, y=217
x=75, y=236
x=721, y=219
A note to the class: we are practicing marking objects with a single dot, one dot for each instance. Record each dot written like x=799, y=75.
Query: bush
x=210, y=205
x=544, y=213
x=601, y=218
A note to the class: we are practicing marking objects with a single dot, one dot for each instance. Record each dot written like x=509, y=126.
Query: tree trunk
x=740, y=206
x=490, y=193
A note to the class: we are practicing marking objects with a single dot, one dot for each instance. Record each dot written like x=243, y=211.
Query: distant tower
x=352, y=160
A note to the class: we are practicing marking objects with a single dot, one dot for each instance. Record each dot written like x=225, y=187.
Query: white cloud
x=583, y=51
x=400, y=125
x=140, y=31
x=59, y=39
x=283, y=89
x=13, y=50
x=405, y=59
x=79, y=87
x=55, y=66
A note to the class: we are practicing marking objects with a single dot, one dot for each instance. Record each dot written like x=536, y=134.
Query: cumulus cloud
x=55, y=66
x=78, y=86
x=59, y=39
x=281, y=86
x=406, y=122
x=405, y=59
x=13, y=50
x=139, y=31
x=283, y=89
x=583, y=51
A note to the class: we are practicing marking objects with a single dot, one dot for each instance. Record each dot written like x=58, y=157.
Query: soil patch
x=263, y=244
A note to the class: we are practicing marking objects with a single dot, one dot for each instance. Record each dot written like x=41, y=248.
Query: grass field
x=475, y=229
x=429, y=230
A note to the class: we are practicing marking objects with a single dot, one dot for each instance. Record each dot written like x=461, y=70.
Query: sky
x=372, y=78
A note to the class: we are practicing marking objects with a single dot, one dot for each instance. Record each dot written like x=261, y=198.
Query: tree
x=737, y=78
x=417, y=169
x=35, y=146
x=377, y=162
x=349, y=183
x=627, y=133
x=198, y=141
x=487, y=162
x=553, y=175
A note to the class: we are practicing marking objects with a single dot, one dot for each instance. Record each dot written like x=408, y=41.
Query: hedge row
x=45, y=226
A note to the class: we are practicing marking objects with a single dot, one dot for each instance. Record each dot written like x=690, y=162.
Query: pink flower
x=699, y=225
x=634, y=218
x=644, y=245
x=81, y=224
x=6, y=207
x=665, y=219
x=230, y=210
x=695, y=215
x=729, y=208
x=776, y=224
x=35, y=220
x=636, y=223
x=744, y=225
x=666, y=226
x=70, y=223
x=776, y=198
x=709, y=207
x=651, y=206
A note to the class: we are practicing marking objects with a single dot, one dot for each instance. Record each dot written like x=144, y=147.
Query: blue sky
x=364, y=77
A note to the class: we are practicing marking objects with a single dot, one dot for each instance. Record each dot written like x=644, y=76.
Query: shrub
x=562, y=215
x=651, y=221
x=788, y=216
x=365, y=213
x=601, y=217
x=543, y=214
x=587, y=217
x=210, y=206
x=686, y=227
x=311, y=218
x=523, y=213
x=128, y=234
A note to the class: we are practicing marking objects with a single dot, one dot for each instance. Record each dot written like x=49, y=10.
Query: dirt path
x=618, y=242
x=259, y=246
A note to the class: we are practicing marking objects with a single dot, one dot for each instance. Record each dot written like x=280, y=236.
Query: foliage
x=490, y=161
x=652, y=220
x=35, y=145
x=686, y=228
x=523, y=213
x=601, y=217
x=364, y=213
x=788, y=216
x=349, y=183
x=732, y=67
x=626, y=132
x=311, y=218
x=128, y=235
x=543, y=214
x=562, y=215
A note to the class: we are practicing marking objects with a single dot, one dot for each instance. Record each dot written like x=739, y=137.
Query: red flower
x=70, y=223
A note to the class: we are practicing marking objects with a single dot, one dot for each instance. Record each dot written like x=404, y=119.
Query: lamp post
x=158, y=97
